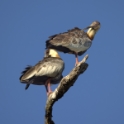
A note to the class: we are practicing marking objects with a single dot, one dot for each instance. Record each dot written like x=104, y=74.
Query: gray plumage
x=73, y=41
x=48, y=68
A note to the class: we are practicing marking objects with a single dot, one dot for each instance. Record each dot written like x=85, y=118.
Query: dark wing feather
x=23, y=72
x=47, y=68
x=26, y=69
x=59, y=41
x=26, y=87
x=68, y=42
x=74, y=29
x=69, y=31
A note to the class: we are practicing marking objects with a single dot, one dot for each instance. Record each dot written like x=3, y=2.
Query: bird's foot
x=48, y=93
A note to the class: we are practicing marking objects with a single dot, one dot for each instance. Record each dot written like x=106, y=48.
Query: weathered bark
x=63, y=87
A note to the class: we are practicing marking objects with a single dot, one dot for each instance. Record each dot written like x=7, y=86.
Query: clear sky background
x=97, y=97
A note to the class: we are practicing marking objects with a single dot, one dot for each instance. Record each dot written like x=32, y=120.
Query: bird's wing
x=50, y=67
x=28, y=73
x=75, y=40
x=63, y=39
x=47, y=67
x=27, y=86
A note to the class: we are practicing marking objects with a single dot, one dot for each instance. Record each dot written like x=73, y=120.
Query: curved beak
x=95, y=25
x=87, y=28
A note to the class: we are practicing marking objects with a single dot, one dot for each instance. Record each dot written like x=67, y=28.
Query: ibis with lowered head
x=46, y=72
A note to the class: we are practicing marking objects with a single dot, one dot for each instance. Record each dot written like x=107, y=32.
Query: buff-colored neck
x=91, y=33
x=53, y=53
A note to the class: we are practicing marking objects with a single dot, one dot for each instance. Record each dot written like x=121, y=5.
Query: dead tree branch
x=63, y=87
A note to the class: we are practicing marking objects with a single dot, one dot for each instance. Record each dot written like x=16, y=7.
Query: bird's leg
x=47, y=86
x=76, y=56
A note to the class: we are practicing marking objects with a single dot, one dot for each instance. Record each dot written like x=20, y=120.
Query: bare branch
x=63, y=87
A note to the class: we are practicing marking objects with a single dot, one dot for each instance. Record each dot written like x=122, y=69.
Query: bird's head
x=92, y=29
x=51, y=53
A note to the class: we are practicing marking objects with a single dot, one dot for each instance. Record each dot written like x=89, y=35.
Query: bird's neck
x=91, y=33
x=55, y=55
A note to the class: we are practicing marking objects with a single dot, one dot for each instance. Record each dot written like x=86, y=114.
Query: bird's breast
x=79, y=45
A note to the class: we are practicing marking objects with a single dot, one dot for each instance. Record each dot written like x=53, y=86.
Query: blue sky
x=97, y=96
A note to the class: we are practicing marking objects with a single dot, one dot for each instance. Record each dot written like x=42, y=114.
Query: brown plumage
x=47, y=71
x=74, y=41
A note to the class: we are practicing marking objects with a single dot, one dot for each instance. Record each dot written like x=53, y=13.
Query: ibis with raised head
x=75, y=41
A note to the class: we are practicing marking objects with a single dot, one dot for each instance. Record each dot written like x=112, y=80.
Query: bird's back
x=73, y=41
x=49, y=67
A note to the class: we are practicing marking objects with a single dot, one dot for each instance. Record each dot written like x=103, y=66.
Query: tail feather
x=23, y=72
x=26, y=69
x=26, y=87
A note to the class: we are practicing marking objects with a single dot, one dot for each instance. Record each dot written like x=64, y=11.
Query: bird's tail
x=26, y=87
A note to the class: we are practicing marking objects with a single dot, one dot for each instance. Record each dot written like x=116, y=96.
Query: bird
x=46, y=72
x=75, y=41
